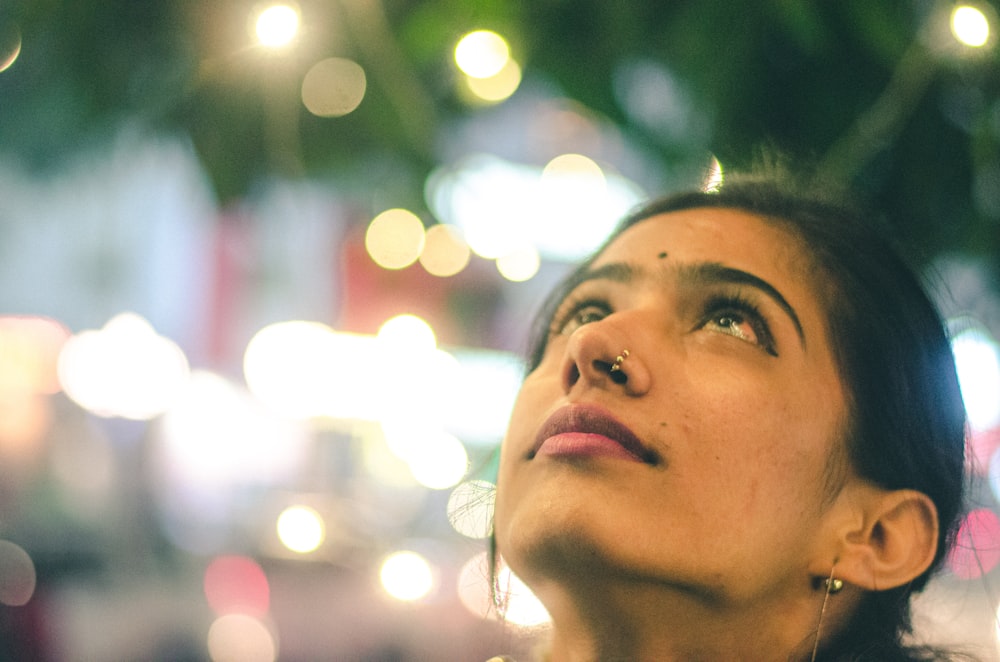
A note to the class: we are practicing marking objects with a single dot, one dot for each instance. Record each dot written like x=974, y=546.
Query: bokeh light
x=211, y=449
x=470, y=508
x=497, y=87
x=334, y=87
x=579, y=171
x=298, y=367
x=124, y=369
x=277, y=25
x=519, y=265
x=441, y=461
x=395, y=238
x=977, y=360
x=977, y=545
x=29, y=353
x=17, y=575
x=970, y=26
x=445, y=251
x=482, y=53
x=10, y=45
x=406, y=576
x=516, y=602
x=301, y=529
x=237, y=585
x=501, y=206
x=474, y=586
x=240, y=638
x=407, y=333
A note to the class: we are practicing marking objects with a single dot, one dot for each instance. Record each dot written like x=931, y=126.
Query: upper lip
x=594, y=420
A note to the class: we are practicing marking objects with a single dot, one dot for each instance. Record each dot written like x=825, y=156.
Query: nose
x=599, y=354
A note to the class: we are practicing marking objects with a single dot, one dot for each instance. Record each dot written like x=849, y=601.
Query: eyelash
x=740, y=308
x=574, y=308
x=716, y=308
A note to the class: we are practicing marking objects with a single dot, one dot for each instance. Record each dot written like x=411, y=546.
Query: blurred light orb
x=406, y=576
x=519, y=265
x=124, y=369
x=300, y=529
x=518, y=605
x=970, y=26
x=474, y=586
x=582, y=171
x=470, y=508
x=498, y=87
x=441, y=462
x=977, y=545
x=395, y=238
x=237, y=585
x=10, y=46
x=482, y=53
x=445, y=251
x=287, y=365
x=277, y=25
x=407, y=333
x=17, y=575
x=333, y=87
x=306, y=369
x=240, y=638
x=977, y=361
x=29, y=353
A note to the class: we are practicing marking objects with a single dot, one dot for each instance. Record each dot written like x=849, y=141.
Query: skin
x=712, y=548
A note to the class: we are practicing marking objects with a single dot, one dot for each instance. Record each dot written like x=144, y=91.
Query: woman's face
x=708, y=466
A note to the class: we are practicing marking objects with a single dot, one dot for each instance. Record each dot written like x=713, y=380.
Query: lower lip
x=584, y=444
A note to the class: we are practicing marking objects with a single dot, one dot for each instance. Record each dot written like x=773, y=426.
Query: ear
x=892, y=542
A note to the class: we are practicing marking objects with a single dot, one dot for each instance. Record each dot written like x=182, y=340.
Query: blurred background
x=266, y=272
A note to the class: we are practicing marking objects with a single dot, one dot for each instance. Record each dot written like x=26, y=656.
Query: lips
x=593, y=420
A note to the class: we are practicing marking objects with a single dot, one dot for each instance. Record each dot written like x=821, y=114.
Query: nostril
x=618, y=377
x=574, y=375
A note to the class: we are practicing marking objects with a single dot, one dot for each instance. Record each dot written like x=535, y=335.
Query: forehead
x=735, y=237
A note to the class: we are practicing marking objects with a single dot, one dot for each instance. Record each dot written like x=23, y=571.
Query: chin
x=561, y=538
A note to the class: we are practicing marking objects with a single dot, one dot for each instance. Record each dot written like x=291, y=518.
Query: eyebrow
x=695, y=274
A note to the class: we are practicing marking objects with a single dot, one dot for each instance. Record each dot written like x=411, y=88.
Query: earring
x=833, y=585
x=617, y=366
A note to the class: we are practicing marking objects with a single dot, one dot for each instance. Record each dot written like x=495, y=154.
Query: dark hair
x=906, y=419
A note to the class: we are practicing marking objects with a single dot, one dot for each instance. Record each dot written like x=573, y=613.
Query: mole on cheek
x=661, y=254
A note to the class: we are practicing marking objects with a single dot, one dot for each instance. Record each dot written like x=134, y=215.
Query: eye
x=741, y=319
x=578, y=314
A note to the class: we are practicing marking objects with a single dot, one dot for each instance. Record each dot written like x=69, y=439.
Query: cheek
x=761, y=441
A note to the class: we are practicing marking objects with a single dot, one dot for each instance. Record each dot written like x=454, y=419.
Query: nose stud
x=617, y=375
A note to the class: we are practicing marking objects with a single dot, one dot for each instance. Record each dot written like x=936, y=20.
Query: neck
x=632, y=620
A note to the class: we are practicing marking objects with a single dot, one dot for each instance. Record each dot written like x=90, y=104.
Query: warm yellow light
x=300, y=529
x=406, y=576
x=395, y=239
x=970, y=26
x=584, y=171
x=333, y=87
x=445, y=252
x=497, y=87
x=277, y=25
x=482, y=54
x=519, y=265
